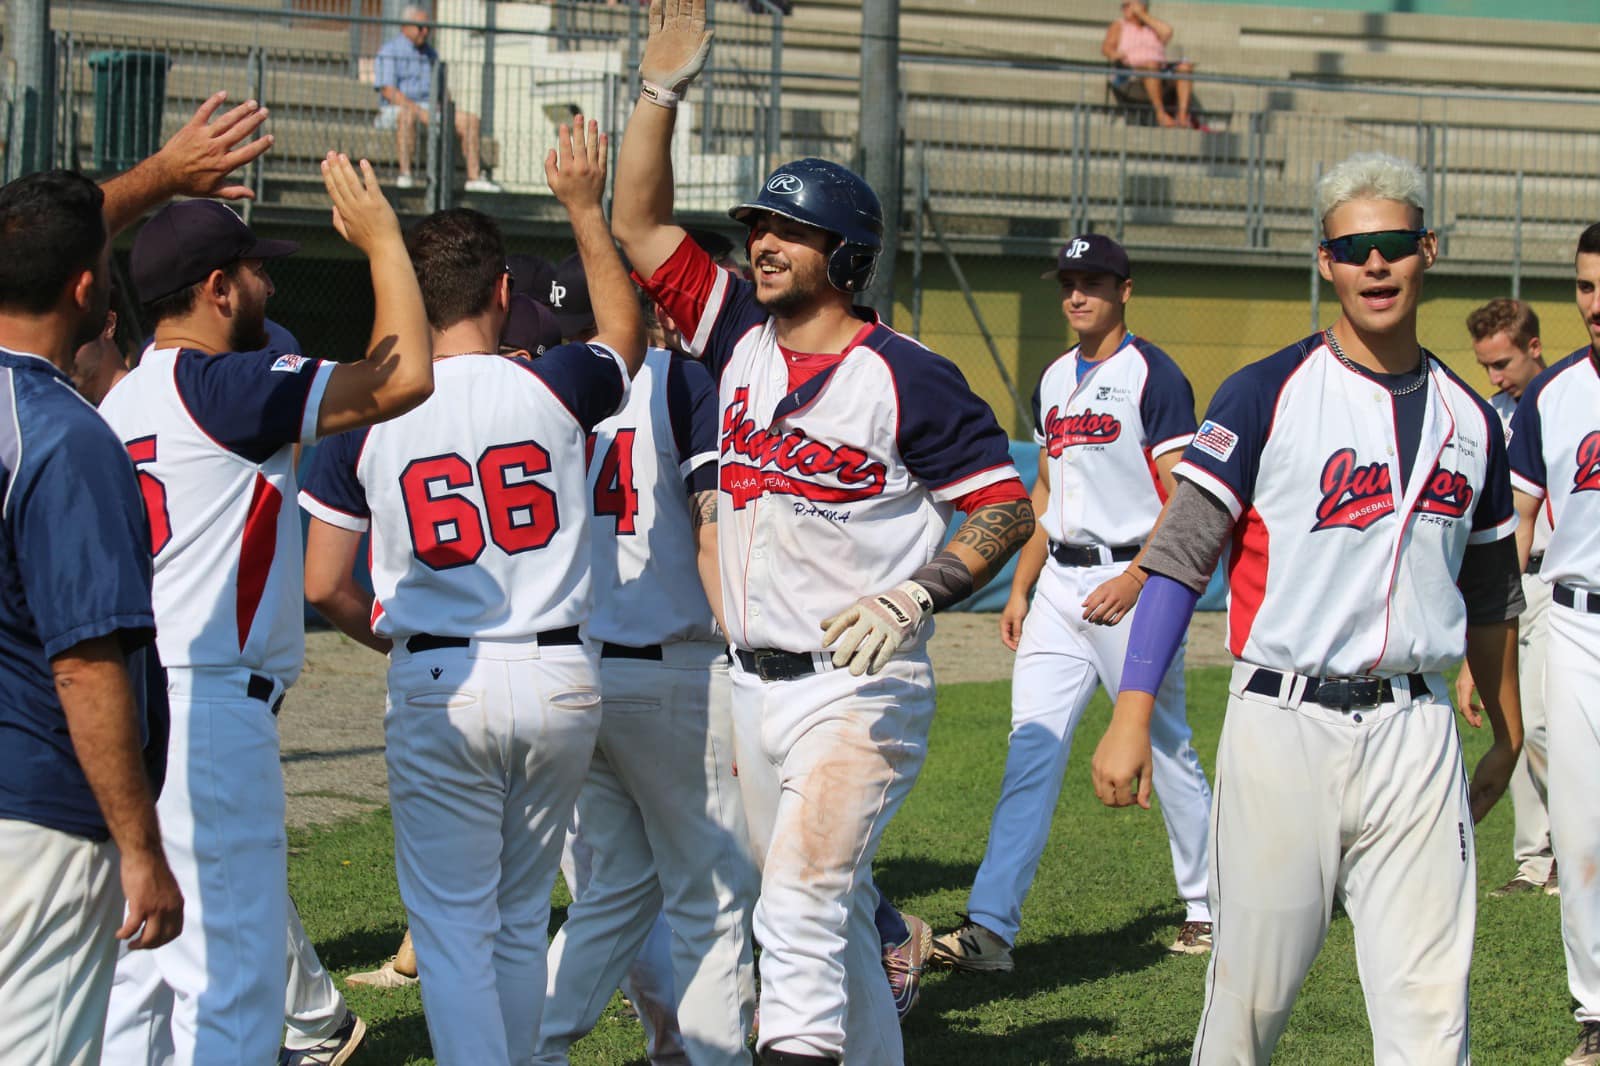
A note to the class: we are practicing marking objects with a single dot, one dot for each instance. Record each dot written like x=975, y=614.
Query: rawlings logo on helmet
x=785, y=184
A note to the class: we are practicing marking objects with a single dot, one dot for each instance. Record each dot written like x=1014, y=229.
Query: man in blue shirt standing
x=404, y=78
x=80, y=745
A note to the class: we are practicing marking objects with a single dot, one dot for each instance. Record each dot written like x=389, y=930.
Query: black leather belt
x=770, y=664
x=260, y=688
x=651, y=652
x=1535, y=562
x=1089, y=554
x=1352, y=693
x=421, y=642
x=1567, y=596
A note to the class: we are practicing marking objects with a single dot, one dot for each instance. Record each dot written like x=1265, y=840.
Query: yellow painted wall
x=1213, y=320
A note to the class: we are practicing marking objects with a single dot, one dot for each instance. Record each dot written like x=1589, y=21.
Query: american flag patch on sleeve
x=1216, y=440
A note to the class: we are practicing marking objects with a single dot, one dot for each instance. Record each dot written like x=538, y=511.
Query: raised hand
x=360, y=213
x=197, y=160
x=576, y=167
x=678, y=44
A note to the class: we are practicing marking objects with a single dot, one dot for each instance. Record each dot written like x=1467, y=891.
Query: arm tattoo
x=703, y=508
x=996, y=532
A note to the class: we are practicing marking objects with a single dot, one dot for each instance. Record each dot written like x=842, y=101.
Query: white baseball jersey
x=1505, y=407
x=1102, y=425
x=481, y=509
x=212, y=438
x=840, y=488
x=645, y=460
x=1555, y=456
x=1332, y=570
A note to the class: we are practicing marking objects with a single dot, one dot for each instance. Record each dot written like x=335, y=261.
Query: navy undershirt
x=1409, y=411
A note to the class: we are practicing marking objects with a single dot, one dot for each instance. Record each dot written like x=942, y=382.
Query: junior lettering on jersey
x=211, y=437
x=1334, y=568
x=645, y=462
x=1102, y=435
x=476, y=499
x=1555, y=456
x=839, y=489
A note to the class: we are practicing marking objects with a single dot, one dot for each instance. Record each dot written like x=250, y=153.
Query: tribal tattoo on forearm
x=994, y=534
x=703, y=508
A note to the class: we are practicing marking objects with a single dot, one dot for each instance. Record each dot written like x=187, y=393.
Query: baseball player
x=211, y=422
x=1111, y=417
x=844, y=450
x=1555, y=464
x=1365, y=493
x=477, y=507
x=1505, y=339
x=99, y=364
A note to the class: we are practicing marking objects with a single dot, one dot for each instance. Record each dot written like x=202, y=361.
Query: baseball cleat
x=904, y=962
x=1515, y=887
x=1194, y=938
x=973, y=948
x=334, y=1051
x=1587, y=1053
x=1552, y=887
x=385, y=976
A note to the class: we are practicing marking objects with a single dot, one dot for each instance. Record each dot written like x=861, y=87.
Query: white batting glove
x=873, y=628
x=676, y=48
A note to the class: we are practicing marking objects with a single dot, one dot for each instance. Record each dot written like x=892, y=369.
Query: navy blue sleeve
x=1167, y=405
x=76, y=517
x=587, y=379
x=252, y=403
x=1225, y=455
x=1525, y=450
x=711, y=307
x=694, y=411
x=1038, y=411
x=1494, y=515
x=332, y=491
x=948, y=437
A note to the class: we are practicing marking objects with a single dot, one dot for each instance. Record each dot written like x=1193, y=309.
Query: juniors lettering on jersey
x=1555, y=456
x=211, y=437
x=1321, y=528
x=1105, y=427
x=479, y=491
x=862, y=463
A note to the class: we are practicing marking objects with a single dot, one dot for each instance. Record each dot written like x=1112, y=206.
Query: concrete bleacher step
x=121, y=27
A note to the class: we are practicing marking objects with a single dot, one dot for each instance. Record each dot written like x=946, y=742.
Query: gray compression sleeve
x=1190, y=540
x=1489, y=582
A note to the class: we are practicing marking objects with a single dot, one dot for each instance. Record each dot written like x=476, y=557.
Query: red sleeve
x=1000, y=492
x=683, y=285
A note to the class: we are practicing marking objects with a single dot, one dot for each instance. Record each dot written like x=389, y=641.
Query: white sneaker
x=972, y=948
x=483, y=185
x=334, y=1051
x=385, y=976
x=405, y=181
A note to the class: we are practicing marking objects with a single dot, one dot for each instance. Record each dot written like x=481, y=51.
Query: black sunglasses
x=1392, y=244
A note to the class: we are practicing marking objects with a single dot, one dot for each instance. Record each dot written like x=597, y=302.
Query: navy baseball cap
x=569, y=297
x=184, y=242
x=531, y=275
x=530, y=326
x=1092, y=253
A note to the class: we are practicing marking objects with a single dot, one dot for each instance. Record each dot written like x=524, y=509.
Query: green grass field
x=1093, y=984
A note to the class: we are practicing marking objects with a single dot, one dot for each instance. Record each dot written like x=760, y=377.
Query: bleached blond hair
x=1370, y=176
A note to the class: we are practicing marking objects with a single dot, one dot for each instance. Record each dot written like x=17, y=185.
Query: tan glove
x=678, y=44
x=873, y=628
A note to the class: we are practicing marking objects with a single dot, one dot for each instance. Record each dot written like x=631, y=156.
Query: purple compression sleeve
x=1165, y=607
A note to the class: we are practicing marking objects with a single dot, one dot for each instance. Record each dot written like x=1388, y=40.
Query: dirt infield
x=331, y=728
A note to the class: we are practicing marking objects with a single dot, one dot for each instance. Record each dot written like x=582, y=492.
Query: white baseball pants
x=1061, y=660
x=1368, y=807
x=824, y=763
x=1572, y=700
x=313, y=1009
x=661, y=825
x=215, y=994
x=486, y=747
x=1530, y=841
x=59, y=911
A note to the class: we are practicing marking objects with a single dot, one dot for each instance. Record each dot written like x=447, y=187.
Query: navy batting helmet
x=829, y=197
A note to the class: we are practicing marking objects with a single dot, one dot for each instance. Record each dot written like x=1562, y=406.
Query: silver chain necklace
x=1404, y=390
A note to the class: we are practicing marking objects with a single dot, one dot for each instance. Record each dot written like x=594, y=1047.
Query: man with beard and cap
x=211, y=418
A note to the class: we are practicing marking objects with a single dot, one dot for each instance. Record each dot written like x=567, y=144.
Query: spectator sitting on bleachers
x=404, y=78
x=1138, y=41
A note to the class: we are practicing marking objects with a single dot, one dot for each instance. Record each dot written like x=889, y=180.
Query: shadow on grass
x=909, y=876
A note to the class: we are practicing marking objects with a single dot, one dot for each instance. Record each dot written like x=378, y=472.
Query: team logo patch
x=1587, y=478
x=1216, y=440
x=1086, y=427
x=785, y=185
x=290, y=364
x=558, y=292
x=790, y=464
x=1076, y=249
x=1353, y=497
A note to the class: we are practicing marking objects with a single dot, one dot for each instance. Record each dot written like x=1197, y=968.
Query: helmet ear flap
x=851, y=266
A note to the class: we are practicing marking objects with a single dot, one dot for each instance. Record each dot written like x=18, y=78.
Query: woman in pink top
x=1138, y=40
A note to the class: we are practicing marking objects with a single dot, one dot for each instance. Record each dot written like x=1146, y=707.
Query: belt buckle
x=765, y=656
x=1352, y=692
